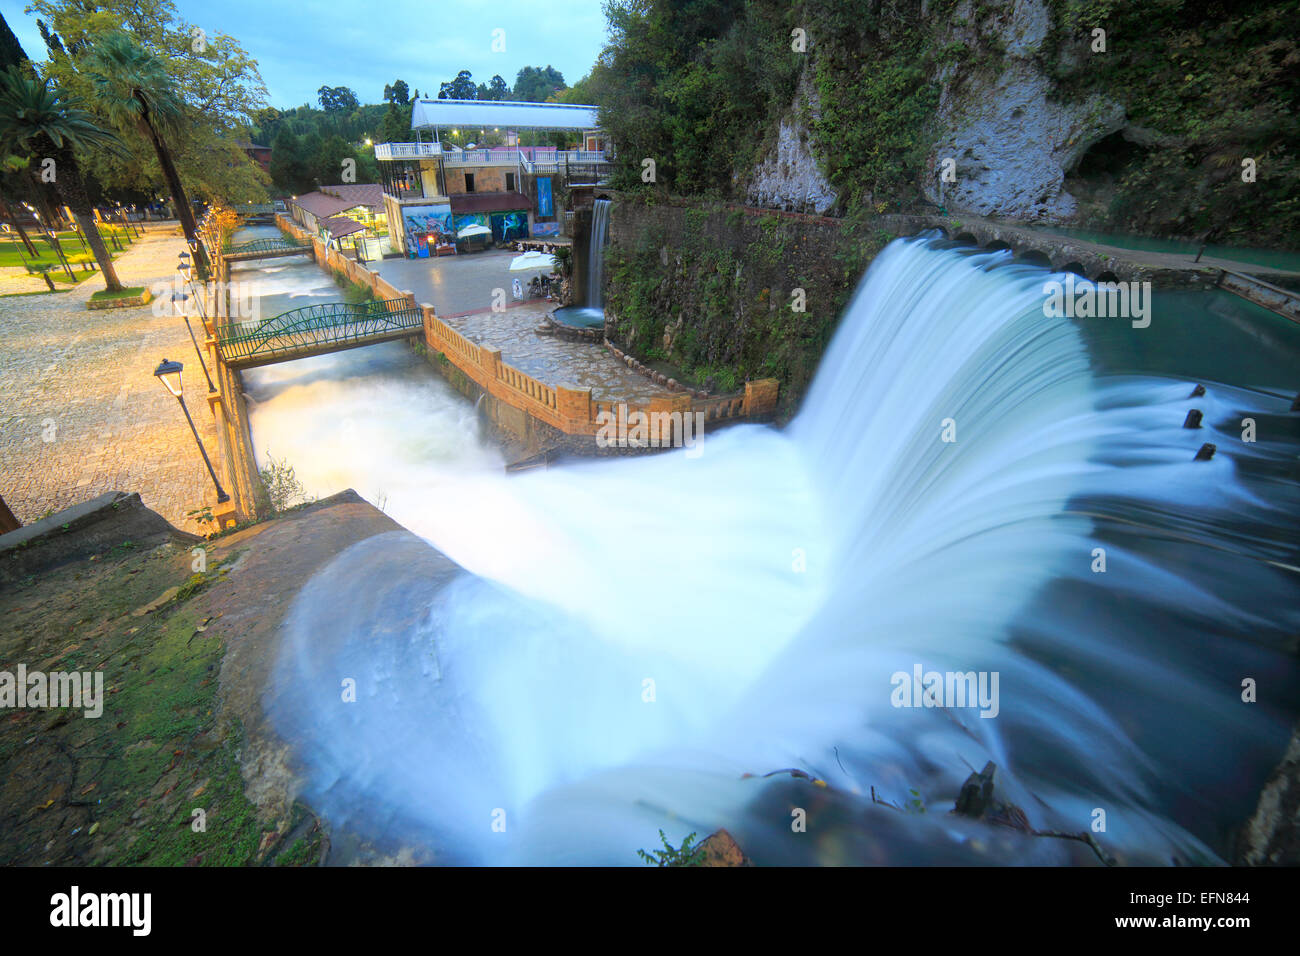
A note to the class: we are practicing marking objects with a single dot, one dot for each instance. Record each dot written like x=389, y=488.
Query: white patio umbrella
x=532, y=261
x=473, y=229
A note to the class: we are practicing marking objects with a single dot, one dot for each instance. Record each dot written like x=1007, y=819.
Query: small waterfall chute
x=596, y=253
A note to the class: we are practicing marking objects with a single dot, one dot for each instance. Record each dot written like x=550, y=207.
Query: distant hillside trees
x=397, y=93
x=337, y=99
x=537, y=84
x=461, y=88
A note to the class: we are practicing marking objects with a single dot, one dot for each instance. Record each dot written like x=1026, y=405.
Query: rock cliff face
x=1005, y=142
x=1001, y=140
x=790, y=178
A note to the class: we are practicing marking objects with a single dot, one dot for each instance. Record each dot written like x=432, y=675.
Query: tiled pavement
x=552, y=360
x=80, y=410
x=461, y=289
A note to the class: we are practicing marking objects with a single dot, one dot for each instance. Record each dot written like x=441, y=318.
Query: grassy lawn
x=13, y=253
x=14, y=295
x=124, y=293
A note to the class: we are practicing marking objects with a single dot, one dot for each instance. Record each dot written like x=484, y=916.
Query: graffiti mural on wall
x=427, y=225
x=546, y=229
x=505, y=226
x=461, y=220
x=509, y=225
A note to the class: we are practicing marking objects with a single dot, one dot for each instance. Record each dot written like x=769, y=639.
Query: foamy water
x=630, y=638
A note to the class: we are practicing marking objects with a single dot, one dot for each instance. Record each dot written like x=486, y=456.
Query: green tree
x=11, y=51
x=290, y=167
x=586, y=91
x=328, y=166
x=498, y=89
x=397, y=93
x=396, y=126
x=215, y=80
x=677, y=80
x=12, y=54
x=131, y=85
x=337, y=99
x=461, y=88
x=537, y=84
x=38, y=120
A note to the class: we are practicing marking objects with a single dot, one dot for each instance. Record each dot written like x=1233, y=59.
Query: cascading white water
x=596, y=253
x=631, y=637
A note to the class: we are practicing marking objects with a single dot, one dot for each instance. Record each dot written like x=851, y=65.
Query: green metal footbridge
x=267, y=249
x=315, y=330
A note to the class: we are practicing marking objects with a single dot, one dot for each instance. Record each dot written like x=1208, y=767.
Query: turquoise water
x=580, y=316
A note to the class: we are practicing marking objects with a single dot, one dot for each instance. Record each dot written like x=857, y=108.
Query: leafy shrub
x=283, y=489
x=688, y=854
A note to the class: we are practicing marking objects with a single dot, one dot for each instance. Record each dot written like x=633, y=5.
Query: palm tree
x=39, y=120
x=134, y=90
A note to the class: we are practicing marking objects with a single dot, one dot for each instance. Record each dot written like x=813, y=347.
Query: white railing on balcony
x=527, y=155
x=407, y=150
x=504, y=155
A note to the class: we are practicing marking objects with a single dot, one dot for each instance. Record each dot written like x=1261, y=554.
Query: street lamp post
x=76, y=228
x=187, y=273
x=182, y=299
x=169, y=373
x=53, y=240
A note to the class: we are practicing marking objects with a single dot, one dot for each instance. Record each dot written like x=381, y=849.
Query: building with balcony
x=433, y=187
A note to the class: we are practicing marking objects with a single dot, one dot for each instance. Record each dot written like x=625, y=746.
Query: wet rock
x=976, y=800
x=721, y=849
x=1271, y=837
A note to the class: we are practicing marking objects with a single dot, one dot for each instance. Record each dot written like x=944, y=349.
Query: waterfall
x=629, y=645
x=596, y=252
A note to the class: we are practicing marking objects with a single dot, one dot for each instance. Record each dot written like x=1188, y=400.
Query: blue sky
x=301, y=45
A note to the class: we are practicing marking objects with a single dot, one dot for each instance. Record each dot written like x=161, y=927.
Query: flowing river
x=632, y=644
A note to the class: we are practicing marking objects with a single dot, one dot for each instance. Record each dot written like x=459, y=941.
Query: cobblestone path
x=80, y=410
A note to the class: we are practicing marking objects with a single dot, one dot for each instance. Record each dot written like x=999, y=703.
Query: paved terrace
x=80, y=410
x=460, y=288
x=455, y=284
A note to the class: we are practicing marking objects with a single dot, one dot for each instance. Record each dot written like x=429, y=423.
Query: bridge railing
x=316, y=325
x=265, y=245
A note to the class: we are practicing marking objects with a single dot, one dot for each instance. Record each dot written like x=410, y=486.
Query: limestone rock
x=1011, y=139
x=789, y=177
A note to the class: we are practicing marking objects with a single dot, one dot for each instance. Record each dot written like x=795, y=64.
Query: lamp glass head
x=169, y=373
